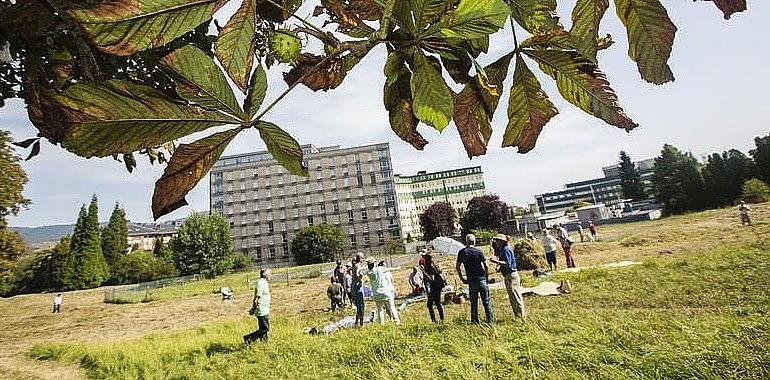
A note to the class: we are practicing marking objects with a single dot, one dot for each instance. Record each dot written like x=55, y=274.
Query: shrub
x=755, y=191
x=140, y=266
x=241, y=261
x=527, y=257
x=483, y=237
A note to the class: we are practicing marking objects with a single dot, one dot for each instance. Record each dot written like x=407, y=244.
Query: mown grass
x=694, y=315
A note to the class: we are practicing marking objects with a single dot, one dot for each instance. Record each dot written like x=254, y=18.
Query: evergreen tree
x=677, y=183
x=741, y=169
x=761, y=157
x=115, y=236
x=630, y=179
x=161, y=250
x=12, y=180
x=87, y=267
x=717, y=181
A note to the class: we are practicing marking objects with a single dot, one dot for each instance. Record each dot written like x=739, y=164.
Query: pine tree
x=717, y=181
x=677, y=183
x=741, y=169
x=115, y=236
x=630, y=180
x=87, y=267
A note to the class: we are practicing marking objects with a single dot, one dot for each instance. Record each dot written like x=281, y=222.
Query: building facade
x=599, y=190
x=416, y=193
x=351, y=188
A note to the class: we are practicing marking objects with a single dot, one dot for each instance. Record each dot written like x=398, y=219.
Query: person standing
x=549, y=246
x=339, y=278
x=566, y=244
x=261, y=302
x=745, y=212
x=335, y=293
x=580, y=231
x=57, y=303
x=383, y=292
x=432, y=275
x=506, y=261
x=592, y=229
x=357, y=286
x=473, y=261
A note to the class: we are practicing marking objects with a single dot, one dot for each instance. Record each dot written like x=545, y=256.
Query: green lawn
x=697, y=314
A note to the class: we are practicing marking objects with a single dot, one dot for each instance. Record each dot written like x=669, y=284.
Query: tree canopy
x=317, y=244
x=12, y=180
x=106, y=78
x=438, y=220
x=484, y=212
x=630, y=180
x=677, y=182
x=203, y=245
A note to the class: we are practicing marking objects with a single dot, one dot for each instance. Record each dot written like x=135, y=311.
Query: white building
x=416, y=193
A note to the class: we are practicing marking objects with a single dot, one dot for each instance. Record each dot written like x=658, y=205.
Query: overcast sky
x=718, y=101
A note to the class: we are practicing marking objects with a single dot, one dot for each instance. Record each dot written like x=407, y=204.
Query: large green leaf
x=586, y=17
x=650, y=37
x=535, y=16
x=283, y=147
x=235, y=45
x=188, y=165
x=397, y=96
x=256, y=93
x=474, y=19
x=199, y=80
x=581, y=83
x=426, y=12
x=107, y=118
x=433, y=99
x=529, y=109
x=475, y=106
x=124, y=27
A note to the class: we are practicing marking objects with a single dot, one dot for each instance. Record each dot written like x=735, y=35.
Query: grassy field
x=696, y=308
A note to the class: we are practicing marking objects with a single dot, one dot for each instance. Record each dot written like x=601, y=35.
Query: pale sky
x=718, y=101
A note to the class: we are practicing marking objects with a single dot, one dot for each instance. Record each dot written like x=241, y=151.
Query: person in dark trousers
x=335, y=292
x=57, y=303
x=339, y=277
x=261, y=303
x=475, y=264
x=506, y=260
x=432, y=275
x=357, y=271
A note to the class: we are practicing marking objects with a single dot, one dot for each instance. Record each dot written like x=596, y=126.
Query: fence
x=143, y=292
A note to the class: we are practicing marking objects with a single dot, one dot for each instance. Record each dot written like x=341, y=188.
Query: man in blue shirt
x=475, y=265
x=507, y=263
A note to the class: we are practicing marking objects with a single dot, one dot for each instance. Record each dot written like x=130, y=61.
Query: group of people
x=560, y=237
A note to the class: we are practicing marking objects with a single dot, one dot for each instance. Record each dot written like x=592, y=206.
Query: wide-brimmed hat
x=423, y=252
x=371, y=260
x=500, y=237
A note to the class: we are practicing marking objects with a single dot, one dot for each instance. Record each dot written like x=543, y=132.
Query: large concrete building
x=416, y=193
x=598, y=190
x=351, y=188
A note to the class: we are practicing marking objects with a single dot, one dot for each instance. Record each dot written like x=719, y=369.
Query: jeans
x=434, y=298
x=513, y=286
x=478, y=287
x=263, y=323
x=357, y=298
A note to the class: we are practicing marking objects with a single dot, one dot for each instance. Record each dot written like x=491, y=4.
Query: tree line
x=93, y=256
x=681, y=183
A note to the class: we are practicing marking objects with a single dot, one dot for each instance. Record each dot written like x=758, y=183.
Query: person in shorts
x=549, y=247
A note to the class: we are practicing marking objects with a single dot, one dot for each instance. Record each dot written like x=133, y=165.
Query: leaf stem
x=305, y=22
x=385, y=23
x=513, y=31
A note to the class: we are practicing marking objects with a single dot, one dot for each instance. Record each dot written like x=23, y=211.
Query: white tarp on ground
x=546, y=288
x=446, y=245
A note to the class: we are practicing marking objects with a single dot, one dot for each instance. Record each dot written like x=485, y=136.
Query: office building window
x=373, y=178
x=350, y=216
x=258, y=253
x=380, y=237
x=336, y=207
x=272, y=252
x=363, y=215
x=323, y=218
x=366, y=239
x=310, y=220
x=270, y=228
x=353, y=241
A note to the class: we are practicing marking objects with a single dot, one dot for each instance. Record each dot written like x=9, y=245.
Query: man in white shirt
x=549, y=247
x=261, y=303
x=57, y=303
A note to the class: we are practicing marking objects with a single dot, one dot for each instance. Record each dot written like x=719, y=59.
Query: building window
x=258, y=253
x=270, y=228
x=284, y=237
x=336, y=207
x=310, y=220
x=363, y=215
x=380, y=237
x=360, y=180
x=285, y=249
x=366, y=239
x=353, y=241
x=272, y=252
x=323, y=207
x=350, y=216
x=323, y=218
x=373, y=178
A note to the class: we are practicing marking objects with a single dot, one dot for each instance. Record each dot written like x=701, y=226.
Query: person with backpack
x=432, y=275
x=506, y=261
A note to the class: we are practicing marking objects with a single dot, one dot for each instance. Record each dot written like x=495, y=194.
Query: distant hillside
x=33, y=235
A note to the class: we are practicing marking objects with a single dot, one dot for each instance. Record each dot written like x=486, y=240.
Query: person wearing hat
x=473, y=261
x=357, y=286
x=745, y=212
x=506, y=261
